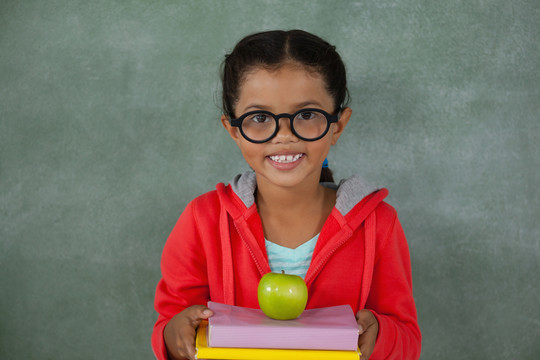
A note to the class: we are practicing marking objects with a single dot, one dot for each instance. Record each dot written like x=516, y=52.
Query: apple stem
x=283, y=272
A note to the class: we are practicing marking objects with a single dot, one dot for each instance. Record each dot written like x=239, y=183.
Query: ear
x=337, y=128
x=232, y=130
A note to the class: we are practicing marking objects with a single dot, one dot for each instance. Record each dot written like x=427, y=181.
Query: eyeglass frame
x=330, y=118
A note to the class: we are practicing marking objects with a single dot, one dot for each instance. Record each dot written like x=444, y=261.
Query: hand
x=180, y=331
x=369, y=328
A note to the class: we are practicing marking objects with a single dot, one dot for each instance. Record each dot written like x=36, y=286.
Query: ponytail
x=326, y=175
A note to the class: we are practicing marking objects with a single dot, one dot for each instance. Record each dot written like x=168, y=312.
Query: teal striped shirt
x=292, y=261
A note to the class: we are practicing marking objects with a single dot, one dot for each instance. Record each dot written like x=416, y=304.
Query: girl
x=284, y=95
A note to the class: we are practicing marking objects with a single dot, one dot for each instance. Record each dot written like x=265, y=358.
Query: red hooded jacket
x=216, y=252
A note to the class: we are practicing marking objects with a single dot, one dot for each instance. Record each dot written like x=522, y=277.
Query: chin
x=291, y=179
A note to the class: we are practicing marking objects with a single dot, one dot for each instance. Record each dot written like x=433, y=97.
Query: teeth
x=284, y=159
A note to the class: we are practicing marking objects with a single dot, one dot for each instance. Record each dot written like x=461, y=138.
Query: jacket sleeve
x=184, y=279
x=391, y=299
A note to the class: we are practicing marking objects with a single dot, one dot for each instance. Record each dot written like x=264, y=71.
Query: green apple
x=282, y=296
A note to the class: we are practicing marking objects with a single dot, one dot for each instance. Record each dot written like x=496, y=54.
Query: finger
x=198, y=313
x=368, y=328
x=187, y=336
x=194, y=315
x=365, y=319
x=366, y=342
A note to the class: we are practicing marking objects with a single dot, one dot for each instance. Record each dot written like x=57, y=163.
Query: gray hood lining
x=349, y=191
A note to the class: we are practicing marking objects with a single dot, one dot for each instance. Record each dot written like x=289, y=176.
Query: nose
x=284, y=133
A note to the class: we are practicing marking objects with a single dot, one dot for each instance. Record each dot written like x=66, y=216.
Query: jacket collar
x=350, y=191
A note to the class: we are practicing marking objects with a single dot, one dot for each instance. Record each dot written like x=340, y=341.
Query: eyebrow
x=305, y=104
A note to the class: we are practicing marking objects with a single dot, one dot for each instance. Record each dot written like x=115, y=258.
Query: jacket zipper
x=249, y=248
x=326, y=258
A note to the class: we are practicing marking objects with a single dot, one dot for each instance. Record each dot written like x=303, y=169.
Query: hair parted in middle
x=273, y=49
x=276, y=48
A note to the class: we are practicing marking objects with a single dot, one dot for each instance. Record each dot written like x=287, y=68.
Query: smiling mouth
x=285, y=159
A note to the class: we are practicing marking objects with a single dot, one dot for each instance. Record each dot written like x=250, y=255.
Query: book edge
x=203, y=350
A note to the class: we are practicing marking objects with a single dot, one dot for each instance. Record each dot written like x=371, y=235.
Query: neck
x=292, y=215
x=292, y=201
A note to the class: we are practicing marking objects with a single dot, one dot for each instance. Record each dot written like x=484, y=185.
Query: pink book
x=329, y=328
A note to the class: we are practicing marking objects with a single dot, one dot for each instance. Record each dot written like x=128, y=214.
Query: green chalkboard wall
x=109, y=125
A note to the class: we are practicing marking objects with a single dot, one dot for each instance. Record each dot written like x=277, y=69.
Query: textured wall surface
x=109, y=125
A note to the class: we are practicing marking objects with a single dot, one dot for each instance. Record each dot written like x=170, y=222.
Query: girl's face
x=285, y=160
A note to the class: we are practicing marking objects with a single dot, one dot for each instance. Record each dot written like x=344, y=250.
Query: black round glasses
x=307, y=124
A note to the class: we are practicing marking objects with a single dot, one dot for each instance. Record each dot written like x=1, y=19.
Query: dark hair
x=272, y=49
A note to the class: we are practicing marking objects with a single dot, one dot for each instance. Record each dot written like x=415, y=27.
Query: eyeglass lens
x=308, y=124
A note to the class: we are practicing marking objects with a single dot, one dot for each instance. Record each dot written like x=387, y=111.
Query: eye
x=306, y=115
x=260, y=118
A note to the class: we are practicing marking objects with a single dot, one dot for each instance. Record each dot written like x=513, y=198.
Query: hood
x=350, y=191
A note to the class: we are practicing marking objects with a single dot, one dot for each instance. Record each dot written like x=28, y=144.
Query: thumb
x=200, y=312
x=365, y=319
x=196, y=314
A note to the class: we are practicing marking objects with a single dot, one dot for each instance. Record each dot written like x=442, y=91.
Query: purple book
x=329, y=328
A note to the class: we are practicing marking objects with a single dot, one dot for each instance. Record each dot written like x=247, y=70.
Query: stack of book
x=241, y=333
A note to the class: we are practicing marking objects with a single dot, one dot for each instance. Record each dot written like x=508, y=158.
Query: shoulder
x=199, y=215
x=386, y=213
x=233, y=197
x=204, y=205
x=209, y=198
x=352, y=191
